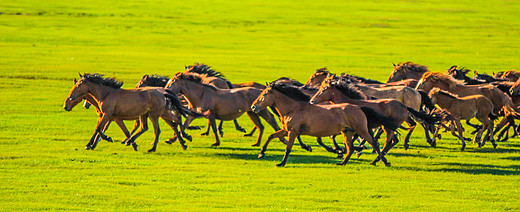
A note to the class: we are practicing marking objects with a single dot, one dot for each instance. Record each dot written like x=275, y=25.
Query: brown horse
x=299, y=117
x=317, y=78
x=502, y=104
x=215, y=78
x=407, y=70
x=339, y=91
x=510, y=75
x=467, y=107
x=222, y=104
x=120, y=103
x=249, y=84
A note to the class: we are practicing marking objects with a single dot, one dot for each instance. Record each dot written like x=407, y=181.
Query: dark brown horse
x=510, y=75
x=407, y=70
x=467, y=107
x=117, y=103
x=299, y=117
x=222, y=104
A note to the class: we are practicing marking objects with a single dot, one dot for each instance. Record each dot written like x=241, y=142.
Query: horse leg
x=336, y=146
x=504, y=130
x=98, y=137
x=290, y=142
x=363, y=132
x=349, y=143
x=500, y=125
x=238, y=127
x=213, y=124
x=427, y=134
x=144, y=128
x=173, y=125
x=102, y=121
x=207, y=129
x=157, y=132
x=220, y=128
x=490, y=130
x=251, y=133
x=411, y=124
x=460, y=130
x=388, y=144
x=378, y=134
x=269, y=118
x=304, y=146
x=477, y=127
x=277, y=134
x=258, y=123
x=137, y=123
x=122, y=125
x=328, y=148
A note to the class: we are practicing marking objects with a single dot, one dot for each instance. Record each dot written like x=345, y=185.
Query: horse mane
x=410, y=66
x=445, y=93
x=361, y=79
x=157, y=80
x=101, y=80
x=448, y=79
x=201, y=68
x=290, y=91
x=504, y=86
x=348, y=90
x=293, y=81
x=194, y=78
x=511, y=72
x=322, y=71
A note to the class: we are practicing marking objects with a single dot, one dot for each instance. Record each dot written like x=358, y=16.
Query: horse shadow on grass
x=469, y=168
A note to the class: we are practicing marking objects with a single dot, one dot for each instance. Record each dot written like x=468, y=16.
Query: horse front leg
x=290, y=142
x=98, y=137
x=102, y=121
x=122, y=125
x=303, y=145
x=238, y=127
x=157, y=132
x=269, y=118
x=144, y=128
x=258, y=123
x=178, y=135
x=213, y=124
x=278, y=134
x=349, y=143
x=411, y=126
x=137, y=123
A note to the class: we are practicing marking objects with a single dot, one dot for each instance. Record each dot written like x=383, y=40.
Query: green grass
x=45, y=43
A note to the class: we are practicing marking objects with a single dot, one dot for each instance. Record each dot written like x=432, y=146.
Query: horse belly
x=322, y=127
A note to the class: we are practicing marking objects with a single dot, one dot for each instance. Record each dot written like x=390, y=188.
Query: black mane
x=204, y=69
x=410, y=66
x=358, y=79
x=101, y=80
x=196, y=79
x=348, y=90
x=156, y=80
x=290, y=91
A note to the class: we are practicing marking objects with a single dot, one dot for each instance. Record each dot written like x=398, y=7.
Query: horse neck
x=286, y=105
x=444, y=101
x=99, y=92
x=339, y=97
x=92, y=100
x=195, y=96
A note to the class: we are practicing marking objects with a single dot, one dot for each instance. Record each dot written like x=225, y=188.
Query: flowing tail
x=426, y=101
x=175, y=104
x=431, y=119
x=387, y=122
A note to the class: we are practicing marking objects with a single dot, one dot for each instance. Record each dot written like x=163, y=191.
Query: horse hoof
x=204, y=134
x=308, y=148
x=255, y=144
x=248, y=135
x=406, y=146
x=495, y=145
x=215, y=144
x=221, y=134
x=124, y=141
x=109, y=139
x=261, y=155
x=387, y=164
x=280, y=165
x=188, y=137
x=88, y=147
x=241, y=130
x=151, y=150
x=373, y=163
x=134, y=145
x=340, y=156
x=340, y=164
x=358, y=154
x=184, y=147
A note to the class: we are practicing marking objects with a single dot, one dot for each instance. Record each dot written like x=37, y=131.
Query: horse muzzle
x=255, y=108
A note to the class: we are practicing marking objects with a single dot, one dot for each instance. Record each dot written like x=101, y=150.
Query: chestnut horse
x=407, y=70
x=467, y=107
x=502, y=104
x=222, y=104
x=117, y=103
x=299, y=117
x=339, y=91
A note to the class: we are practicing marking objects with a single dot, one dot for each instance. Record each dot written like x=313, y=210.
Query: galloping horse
x=407, y=70
x=339, y=91
x=486, y=78
x=215, y=78
x=467, y=107
x=460, y=74
x=510, y=75
x=502, y=104
x=299, y=117
x=406, y=95
x=120, y=103
x=222, y=104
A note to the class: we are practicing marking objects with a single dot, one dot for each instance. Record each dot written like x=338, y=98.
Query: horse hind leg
x=303, y=145
x=258, y=123
x=173, y=125
x=157, y=132
x=269, y=118
x=278, y=134
x=207, y=129
x=238, y=127
x=144, y=128
x=412, y=124
x=349, y=143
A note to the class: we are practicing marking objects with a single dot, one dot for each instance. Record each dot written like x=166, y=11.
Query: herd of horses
x=326, y=105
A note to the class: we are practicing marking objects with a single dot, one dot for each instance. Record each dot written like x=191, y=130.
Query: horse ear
x=145, y=77
x=394, y=65
x=75, y=81
x=475, y=72
x=80, y=76
x=493, y=73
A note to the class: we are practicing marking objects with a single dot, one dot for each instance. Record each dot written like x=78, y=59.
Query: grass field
x=44, y=44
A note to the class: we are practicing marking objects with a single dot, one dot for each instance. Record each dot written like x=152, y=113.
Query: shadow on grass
x=469, y=168
x=294, y=158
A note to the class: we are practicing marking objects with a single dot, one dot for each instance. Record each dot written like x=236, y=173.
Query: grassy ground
x=45, y=43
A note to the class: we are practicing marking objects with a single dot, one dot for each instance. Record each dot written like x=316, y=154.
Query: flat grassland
x=44, y=44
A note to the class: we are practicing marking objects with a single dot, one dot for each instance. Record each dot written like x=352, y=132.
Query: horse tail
x=387, y=122
x=175, y=104
x=431, y=119
x=426, y=101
